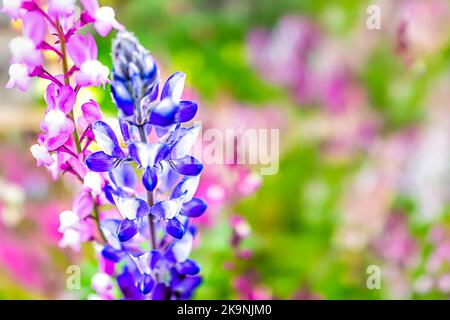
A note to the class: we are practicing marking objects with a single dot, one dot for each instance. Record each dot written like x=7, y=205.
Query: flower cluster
x=53, y=27
x=153, y=238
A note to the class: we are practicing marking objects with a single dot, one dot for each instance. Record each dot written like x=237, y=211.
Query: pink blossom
x=42, y=155
x=12, y=8
x=18, y=77
x=104, y=17
x=83, y=52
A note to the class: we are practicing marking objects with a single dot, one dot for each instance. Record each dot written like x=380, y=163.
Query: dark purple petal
x=126, y=284
x=174, y=86
x=175, y=228
x=188, y=186
x=149, y=179
x=122, y=97
x=188, y=166
x=107, y=140
x=127, y=230
x=109, y=191
x=146, y=284
x=188, y=285
x=100, y=162
x=163, y=114
x=189, y=267
x=112, y=254
x=186, y=111
x=125, y=130
x=194, y=208
x=161, y=292
x=155, y=257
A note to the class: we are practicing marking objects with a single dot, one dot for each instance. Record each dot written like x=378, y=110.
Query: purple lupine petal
x=109, y=191
x=186, y=111
x=91, y=112
x=162, y=131
x=174, y=86
x=126, y=284
x=188, y=285
x=194, y=208
x=124, y=176
x=146, y=284
x=188, y=186
x=175, y=228
x=107, y=140
x=127, y=230
x=131, y=208
x=155, y=257
x=34, y=26
x=161, y=292
x=188, y=166
x=125, y=130
x=189, y=267
x=100, y=162
x=112, y=254
x=149, y=179
x=147, y=155
x=109, y=228
x=185, y=142
x=166, y=176
x=163, y=114
x=182, y=248
x=122, y=97
x=167, y=209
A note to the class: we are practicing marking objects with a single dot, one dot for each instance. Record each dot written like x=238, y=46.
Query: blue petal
x=100, y=162
x=166, y=176
x=184, y=142
x=175, y=228
x=194, y=208
x=122, y=97
x=189, y=267
x=125, y=129
x=109, y=191
x=155, y=258
x=161, y=292
x=149, y=68
x=188, y=166
x=174, y=86
x=109, y=228
x=112, y=254
x=147, y=154
x=186, y=288
x=146, y=284
x=188, y=186
x=107, y=140
x=163, y=114
x=127, y=230
x=149, y=179
x=131, y=208
x=186, y=111
x=124, y=176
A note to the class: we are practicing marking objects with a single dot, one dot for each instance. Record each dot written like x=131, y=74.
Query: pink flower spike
x=12, y=8
x=18, y=77
x=91, y=112
x=42, y=155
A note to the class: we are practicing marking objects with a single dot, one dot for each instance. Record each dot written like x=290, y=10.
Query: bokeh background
x=364, y=176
